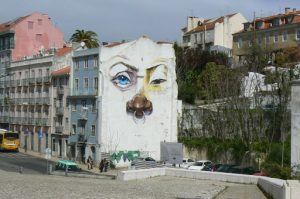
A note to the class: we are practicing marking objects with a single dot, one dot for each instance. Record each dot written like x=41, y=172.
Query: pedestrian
x=90, y=163
x=101, y=165
x=106, y=165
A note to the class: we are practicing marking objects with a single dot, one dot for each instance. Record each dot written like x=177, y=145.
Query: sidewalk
x=95, y=170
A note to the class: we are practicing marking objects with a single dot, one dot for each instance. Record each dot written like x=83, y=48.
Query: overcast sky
x=115, y=20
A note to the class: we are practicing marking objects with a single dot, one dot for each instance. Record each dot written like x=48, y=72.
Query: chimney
x=294, y=10
x=192, y=22
x=286, y=10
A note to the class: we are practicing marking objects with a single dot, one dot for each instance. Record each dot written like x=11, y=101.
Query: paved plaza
x=29, y=186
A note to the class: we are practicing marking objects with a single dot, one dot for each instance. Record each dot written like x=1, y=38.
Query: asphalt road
x=13, y=161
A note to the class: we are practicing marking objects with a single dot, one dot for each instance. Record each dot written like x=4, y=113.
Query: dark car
x=243, y=170
x=139, y=160
x=225, y=167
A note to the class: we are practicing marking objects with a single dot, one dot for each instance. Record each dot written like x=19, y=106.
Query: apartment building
x=60, y=78
x=83, y=105
x=27, y=101
x=212, y=34
x=271, y=33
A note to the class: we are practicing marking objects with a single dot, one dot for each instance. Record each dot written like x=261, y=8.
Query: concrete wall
x=277, y=188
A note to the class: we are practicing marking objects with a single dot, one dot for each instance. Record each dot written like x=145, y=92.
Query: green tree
x=88, y=37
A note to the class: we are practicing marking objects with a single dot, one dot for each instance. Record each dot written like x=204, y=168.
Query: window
x=86, y=62
x=30, y=24
x=267, y=38
x=40, y=72
x=275, y=37
x=32, y=73
x=74, y=106
x=96, y=61
x=76, y=84
x=67, y=122
x=82, y=129
x=195, y=38
x=93, y=130
x=259, y=39
x=83, y=103
x=96, y=83
x=250, y=43
x=39, y=37
x=47, y=140
x=86, y=83
x=298, y=34
x=53, y=145
x=240, y=42
x=76, y=64
x=284, y=36
x=74, y=128
x=40, y=22
x=93, y=106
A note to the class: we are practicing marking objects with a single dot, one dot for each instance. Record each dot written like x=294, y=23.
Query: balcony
x=45, y=122
x=83, y=116
x=7, y=83
x=46, y=79
x=32, y=101
x=18, y=82
x=46, y=100
x=60, y=110
x=25, y=120
x=12, y=83
x=25, y=82
x=39, y=80
x=32, y=80
x=85, y=92
x=75, y=138
x=60, y=90
x=59, y=129
x=31, y=120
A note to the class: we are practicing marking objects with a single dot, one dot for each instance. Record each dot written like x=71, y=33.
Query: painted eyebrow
x=125, y=64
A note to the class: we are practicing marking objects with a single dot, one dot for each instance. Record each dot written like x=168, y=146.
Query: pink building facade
x=32, y=34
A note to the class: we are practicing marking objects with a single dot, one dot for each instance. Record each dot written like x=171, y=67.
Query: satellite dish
x=82, y=44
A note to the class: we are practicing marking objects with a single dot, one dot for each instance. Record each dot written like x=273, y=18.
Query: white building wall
x=295, y=124
x=119, y=130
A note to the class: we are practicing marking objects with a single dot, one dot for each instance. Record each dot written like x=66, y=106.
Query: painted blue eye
x=123, y=80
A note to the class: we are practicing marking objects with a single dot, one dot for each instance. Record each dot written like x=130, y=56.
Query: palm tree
x=88, y=37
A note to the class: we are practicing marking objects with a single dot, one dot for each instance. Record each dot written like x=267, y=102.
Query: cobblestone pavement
x=14, y=185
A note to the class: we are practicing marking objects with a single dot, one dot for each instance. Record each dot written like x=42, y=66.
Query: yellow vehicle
x=9, y=141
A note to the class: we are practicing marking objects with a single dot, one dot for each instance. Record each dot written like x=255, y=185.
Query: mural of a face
x=139, y=96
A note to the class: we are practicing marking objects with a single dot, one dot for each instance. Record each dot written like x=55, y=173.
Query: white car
x=186, y=163
x=199, y=165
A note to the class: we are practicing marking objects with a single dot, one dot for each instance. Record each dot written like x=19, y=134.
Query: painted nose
x=139, y=105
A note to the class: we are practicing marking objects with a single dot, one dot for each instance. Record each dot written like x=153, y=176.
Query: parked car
x=186, y=162
x=242, y=170
x=225, y=167
x=215, y=167
x=147, y=159
x=199, y=165
x=63, y=164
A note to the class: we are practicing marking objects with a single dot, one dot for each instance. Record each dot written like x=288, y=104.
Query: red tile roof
x=267, y=21
x=63, y=51
x=63, y=71
x=209, y=24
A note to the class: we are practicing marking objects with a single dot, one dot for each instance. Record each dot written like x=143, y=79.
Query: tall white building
x=212, y=34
